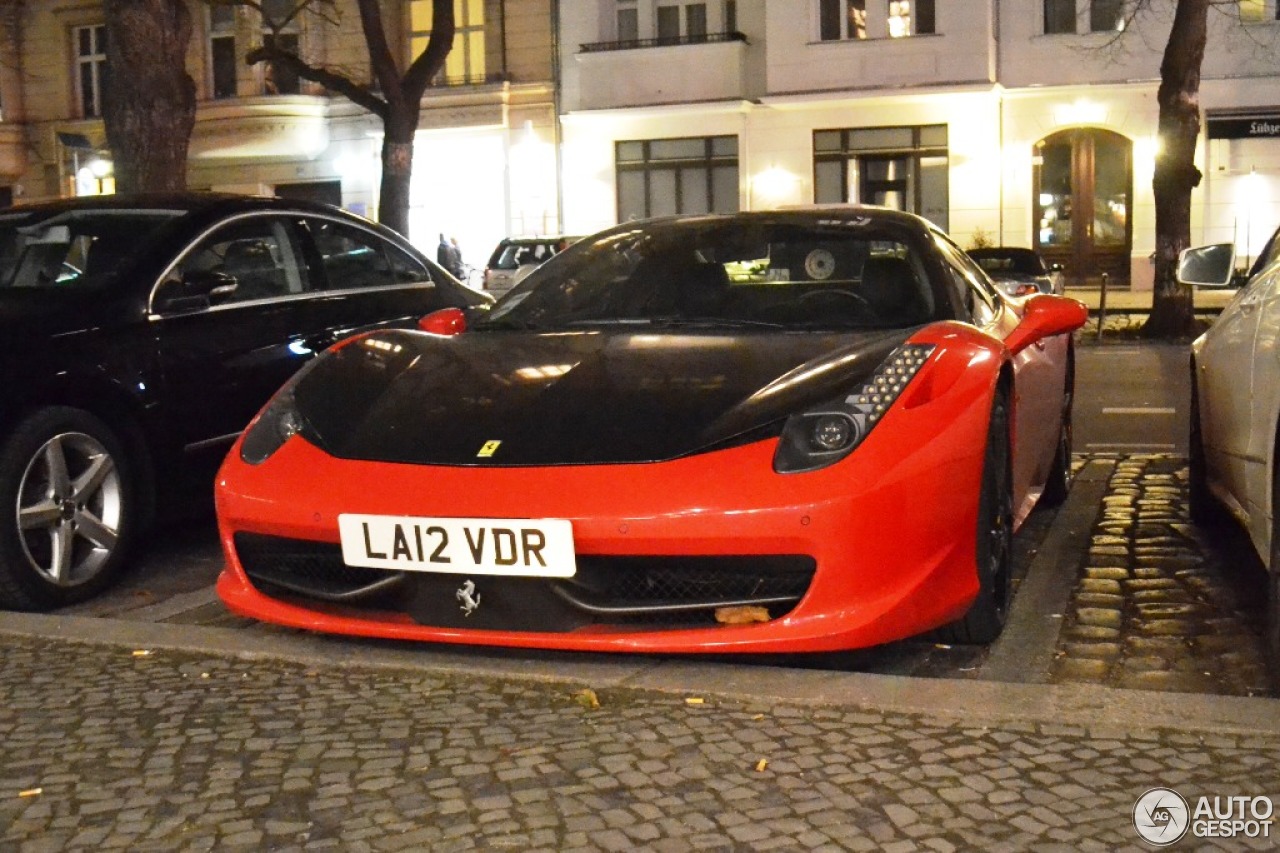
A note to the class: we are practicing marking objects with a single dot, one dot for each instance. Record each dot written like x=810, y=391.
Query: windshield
x=801, y=274
x=73, y=249
x=1008, y=261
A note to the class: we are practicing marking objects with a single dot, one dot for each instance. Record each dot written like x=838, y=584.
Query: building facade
x=1022, y=122
x=484, y=158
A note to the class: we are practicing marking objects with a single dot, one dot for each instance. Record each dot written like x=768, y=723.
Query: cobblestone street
x=107, y=749
x=1157, y=606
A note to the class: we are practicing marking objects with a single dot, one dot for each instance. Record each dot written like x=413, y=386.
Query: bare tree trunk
x=1176, y=175
x=149, y=101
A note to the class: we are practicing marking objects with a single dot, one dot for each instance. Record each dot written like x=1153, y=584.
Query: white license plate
x=521, y=547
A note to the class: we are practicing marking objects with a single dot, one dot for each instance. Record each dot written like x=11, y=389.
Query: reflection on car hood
x=573, y=397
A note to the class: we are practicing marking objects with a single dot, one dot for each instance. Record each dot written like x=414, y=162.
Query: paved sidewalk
x=111, y=747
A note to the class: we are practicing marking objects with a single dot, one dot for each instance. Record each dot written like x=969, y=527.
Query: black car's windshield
x=1008, y=261
x=770, y=273
x=73, y=249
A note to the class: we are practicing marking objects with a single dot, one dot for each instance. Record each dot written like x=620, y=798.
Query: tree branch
x=332, y=81
x=431, y=60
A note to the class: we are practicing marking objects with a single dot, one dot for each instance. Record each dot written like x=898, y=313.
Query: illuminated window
x=905, y=168
x=91, y=68
x=1253, y=10
x=910, y=18
x=1059, y=16
x=842, y=19
x=659, y=177
x=466, y=62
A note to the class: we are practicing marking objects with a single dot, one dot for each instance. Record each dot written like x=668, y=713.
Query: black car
x=140, y=334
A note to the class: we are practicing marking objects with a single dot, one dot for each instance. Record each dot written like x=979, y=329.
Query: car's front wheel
x=994, y=553
x=67, y=506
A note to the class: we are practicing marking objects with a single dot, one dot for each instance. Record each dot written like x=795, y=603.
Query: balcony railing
x=471, y=80
x=668, y=41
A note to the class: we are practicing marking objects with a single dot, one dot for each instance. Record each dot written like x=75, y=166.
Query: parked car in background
x=1018, y=271
x=1235, y=408
x=760, y=432
x=516, y=257
x=138, y=335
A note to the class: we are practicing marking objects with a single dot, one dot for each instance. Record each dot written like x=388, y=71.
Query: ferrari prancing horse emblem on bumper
x=489, y=448
x=469, y=603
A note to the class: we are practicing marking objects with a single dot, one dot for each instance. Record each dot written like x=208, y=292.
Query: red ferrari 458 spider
x=761, y=432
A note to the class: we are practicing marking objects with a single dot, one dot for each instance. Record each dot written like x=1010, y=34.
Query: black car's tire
x=994, y=553
x=1271, y=624
x=68, y=509
x=1201, y=504
x=1058, y=485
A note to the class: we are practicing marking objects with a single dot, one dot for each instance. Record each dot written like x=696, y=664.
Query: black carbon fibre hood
x=572, y=397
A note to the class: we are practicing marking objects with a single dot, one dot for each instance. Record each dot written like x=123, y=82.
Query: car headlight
x=824, y=435
x=279, y=421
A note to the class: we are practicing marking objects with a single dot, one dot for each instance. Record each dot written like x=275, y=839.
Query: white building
x=1023, y=122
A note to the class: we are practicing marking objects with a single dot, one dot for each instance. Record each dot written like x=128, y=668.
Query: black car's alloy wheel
x=994, y=554
x=65, y=509
x=1201, y=504
x=1058, y=485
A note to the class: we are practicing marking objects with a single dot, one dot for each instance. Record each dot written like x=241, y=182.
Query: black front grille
x=665, y=587
x=313, y=569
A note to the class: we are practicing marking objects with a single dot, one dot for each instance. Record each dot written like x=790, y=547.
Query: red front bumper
x=892, y=528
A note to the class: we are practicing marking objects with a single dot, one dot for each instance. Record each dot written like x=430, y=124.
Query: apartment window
x=730, y=16
x=91, y=68
x=842, y=19
x=905, y=168
x=628, y=21
x=222, y=50
x=910, y=18
x=466, y=62
x=1106, y=16
x=1059, y=16
x=280, y=31
x=659, y=177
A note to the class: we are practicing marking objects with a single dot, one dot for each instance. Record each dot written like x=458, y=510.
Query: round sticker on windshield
x=819, y=265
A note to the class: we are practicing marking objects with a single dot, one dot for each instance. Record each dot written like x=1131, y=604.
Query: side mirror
x=446, y=321
x=1043, y=317
x=214, y=286
x=1213, y=266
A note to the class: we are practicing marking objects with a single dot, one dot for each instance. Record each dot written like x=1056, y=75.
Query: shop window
x=906, y=168
x=660, y=177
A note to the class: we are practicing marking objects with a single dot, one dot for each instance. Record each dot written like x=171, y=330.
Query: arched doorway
x=1083, y=196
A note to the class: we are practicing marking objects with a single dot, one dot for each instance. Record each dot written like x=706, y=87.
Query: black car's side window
x=352, y=258
x=254, y=258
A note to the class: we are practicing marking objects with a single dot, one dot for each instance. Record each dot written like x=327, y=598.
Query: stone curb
x=977, y=703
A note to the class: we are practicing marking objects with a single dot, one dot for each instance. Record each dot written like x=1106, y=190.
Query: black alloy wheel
x=67, y=503
x=1058, y=485
x=1201, y=504
x=994, y=554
